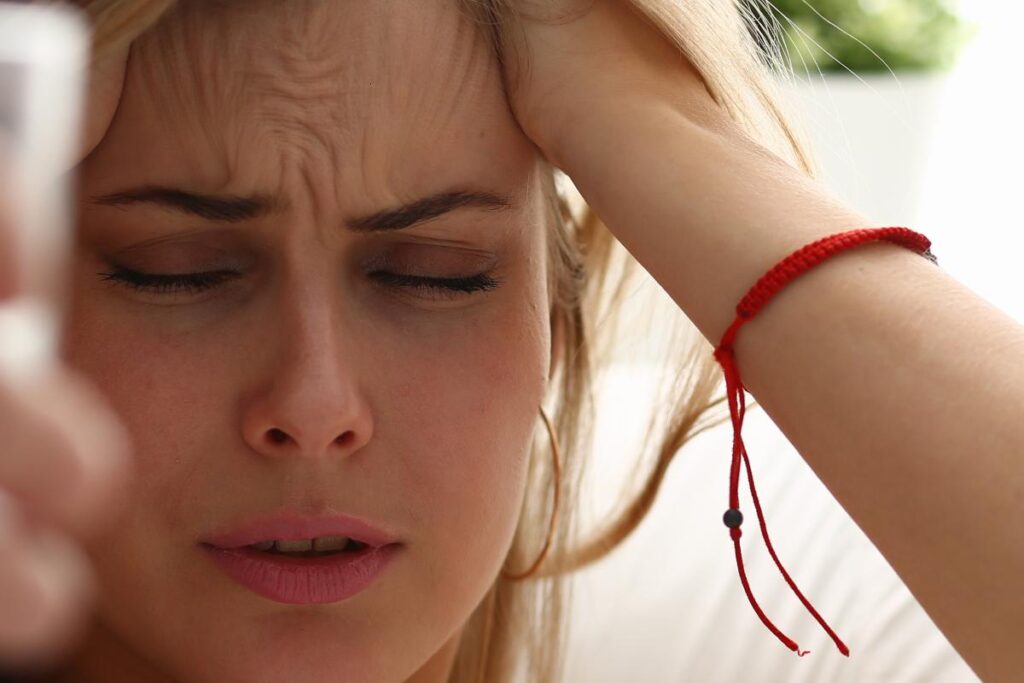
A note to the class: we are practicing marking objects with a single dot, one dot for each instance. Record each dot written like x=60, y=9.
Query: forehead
x=373, y=99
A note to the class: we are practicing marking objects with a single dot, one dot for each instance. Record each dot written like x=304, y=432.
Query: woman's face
x=302, y=380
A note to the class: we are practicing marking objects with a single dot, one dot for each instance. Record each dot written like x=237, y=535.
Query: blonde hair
x=523, y=623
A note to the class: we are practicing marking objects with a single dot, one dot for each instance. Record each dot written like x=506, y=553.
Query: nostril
x=344, y=438
x=277, y=436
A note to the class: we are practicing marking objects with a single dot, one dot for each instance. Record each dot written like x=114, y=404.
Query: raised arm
x=901, y=388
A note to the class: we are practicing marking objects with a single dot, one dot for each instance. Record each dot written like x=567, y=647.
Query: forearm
x=900, y=387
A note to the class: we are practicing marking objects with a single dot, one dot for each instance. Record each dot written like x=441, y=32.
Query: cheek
x=160, y=387
x=162, y=395
x=465, y=423
x=466, y=416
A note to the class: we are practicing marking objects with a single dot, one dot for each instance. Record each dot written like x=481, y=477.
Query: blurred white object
x=872, y=135
x=44, y=54
x=939, y=153
x=29, y=332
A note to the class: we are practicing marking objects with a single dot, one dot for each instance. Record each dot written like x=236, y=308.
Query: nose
x=309, y=403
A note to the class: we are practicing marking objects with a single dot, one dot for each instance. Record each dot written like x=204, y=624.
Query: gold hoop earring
x=554, y=513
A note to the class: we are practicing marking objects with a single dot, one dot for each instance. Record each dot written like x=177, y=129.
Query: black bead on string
x=732, y=518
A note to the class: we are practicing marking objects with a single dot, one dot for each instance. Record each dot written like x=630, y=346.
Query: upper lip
x=292, y=525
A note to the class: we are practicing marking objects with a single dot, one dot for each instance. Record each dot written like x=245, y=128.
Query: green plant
x=905, y=34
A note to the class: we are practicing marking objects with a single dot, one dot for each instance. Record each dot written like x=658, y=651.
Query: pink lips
x=302, y=580
x=292, y=526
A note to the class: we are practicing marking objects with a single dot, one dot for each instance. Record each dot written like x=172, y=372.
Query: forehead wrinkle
x=365, y=134
x=308, y=119
x=356, y=111
x=302, y=88
x=313, y=74
x=181, y=71
x=207, y=64
x=309, y=45
x=307, y=133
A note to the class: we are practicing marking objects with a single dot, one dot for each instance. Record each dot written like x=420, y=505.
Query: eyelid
x=181, y=258
x=167, y=285
x=432, y=261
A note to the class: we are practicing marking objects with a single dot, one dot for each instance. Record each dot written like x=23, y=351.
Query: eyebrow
x=237, y=209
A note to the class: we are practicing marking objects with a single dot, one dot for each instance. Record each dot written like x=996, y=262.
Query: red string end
x=733, y=518
x=784, y=272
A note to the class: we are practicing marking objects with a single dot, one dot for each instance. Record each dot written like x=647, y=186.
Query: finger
x=46, y=587
x=65, y=454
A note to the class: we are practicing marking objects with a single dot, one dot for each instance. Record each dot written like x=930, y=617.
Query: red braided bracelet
x=784, y=272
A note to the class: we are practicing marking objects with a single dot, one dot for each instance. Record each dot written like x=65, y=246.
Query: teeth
x=322, y=544
x=293, y=546
x=330, y=543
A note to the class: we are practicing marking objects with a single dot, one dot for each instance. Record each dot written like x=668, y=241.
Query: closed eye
x=168, y=283
x=194, y=283
x=467, y=284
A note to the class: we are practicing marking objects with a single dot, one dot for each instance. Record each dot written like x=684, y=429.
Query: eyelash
x=200, y=282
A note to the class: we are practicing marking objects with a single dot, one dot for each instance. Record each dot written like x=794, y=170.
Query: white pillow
x=668, y=605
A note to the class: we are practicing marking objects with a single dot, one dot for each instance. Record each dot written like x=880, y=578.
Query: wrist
x=606, y=125
x=700, y=205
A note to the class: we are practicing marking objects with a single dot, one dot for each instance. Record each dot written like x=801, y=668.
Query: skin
x=339, y=110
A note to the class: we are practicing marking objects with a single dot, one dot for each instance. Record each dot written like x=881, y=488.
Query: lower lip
x=303, y=581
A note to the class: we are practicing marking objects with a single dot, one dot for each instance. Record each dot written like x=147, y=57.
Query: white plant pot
x=872, y=137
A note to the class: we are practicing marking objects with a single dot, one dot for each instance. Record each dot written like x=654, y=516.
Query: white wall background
x=668, y=606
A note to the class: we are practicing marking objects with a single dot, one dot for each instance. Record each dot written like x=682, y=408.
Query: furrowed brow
x=428, y=208
x=223, y=208
x=236, y=209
